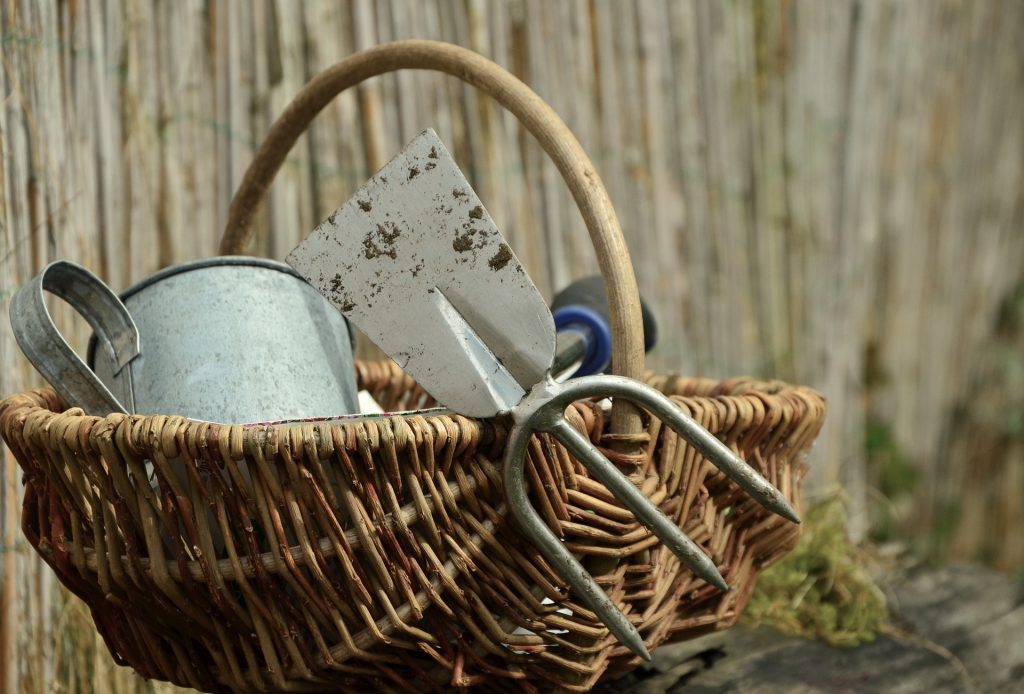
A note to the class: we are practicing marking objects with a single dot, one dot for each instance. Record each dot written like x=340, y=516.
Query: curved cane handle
x=532, y=111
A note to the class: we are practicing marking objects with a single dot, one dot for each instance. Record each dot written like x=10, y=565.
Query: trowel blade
x=415, y=261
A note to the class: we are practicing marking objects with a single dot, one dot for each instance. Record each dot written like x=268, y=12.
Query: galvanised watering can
x=232, y=339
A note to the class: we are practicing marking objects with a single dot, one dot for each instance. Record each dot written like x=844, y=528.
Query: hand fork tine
x=543, y=410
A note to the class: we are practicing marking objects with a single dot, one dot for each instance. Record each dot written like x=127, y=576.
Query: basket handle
x=531, y=110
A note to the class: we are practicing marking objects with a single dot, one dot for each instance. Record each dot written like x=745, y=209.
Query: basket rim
x=46, y=398
x=399, y=430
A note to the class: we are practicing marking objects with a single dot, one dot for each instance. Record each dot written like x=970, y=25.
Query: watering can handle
x=50, y=353
x=536, y=116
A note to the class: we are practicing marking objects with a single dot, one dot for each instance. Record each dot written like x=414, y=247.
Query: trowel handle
x=583, y=322
x=50, y=353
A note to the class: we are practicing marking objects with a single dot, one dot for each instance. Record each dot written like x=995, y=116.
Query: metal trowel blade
x=415, y=261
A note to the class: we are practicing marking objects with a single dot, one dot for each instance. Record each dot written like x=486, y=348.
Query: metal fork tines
x=542, y=410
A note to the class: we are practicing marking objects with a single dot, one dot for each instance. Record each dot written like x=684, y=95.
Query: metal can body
x=235, y=340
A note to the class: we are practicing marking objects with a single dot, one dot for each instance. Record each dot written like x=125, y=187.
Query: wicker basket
x=379, y=552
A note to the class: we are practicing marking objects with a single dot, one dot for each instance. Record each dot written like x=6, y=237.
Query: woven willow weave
x=378, y=554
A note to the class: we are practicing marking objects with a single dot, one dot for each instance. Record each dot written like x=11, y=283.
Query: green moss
x=820, y=590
